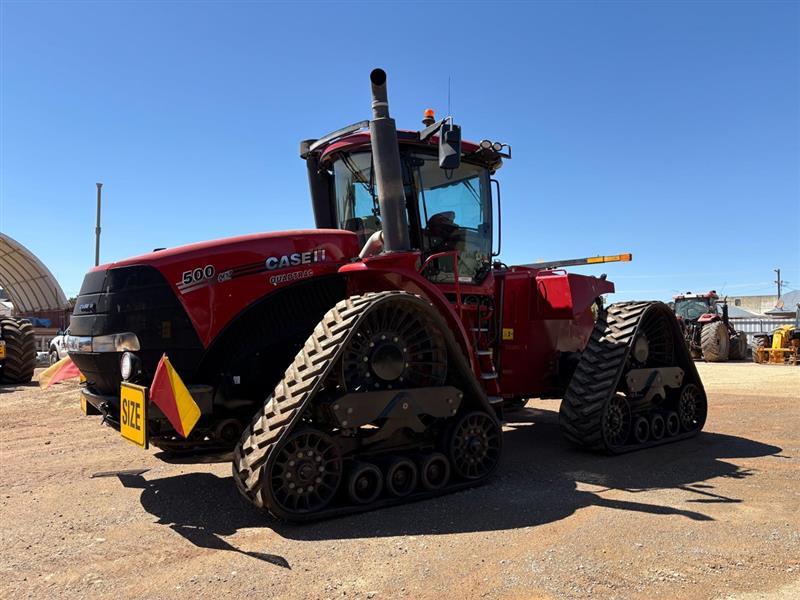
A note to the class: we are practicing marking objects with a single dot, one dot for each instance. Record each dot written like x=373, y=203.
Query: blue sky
x=671, y=130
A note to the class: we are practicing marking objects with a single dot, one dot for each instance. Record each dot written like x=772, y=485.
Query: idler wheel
x=691, y=408
x=641, y=430
x=434, y=471
x=401, y=477
x=673, y=423
x=616, y=421
x=305, y=474
x=365, y=483
x=474, y=445
x=657, y=426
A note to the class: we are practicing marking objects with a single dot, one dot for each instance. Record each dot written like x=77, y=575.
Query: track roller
x=365, y=483
x=434, y=471
x=641, y=430
x=657, y=426
x=401, y=477
x=673, y=423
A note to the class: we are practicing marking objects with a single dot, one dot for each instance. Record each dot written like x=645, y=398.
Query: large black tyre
x=715, y=342
x=20, y=358
x=738, y=346
x=760, y=344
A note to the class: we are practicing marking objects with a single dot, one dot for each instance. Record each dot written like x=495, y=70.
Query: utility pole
x=779, y=281
x=97, y=230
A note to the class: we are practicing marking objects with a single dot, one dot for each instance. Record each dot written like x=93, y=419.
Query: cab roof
x=361, y=141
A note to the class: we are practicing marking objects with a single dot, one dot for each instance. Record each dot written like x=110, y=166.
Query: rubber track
x=20, y=360
x=597, y=377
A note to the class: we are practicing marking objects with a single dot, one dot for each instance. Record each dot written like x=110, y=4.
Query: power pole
x=779, y=281
x=97, y=230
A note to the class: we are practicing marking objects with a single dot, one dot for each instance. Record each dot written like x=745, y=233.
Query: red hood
x=240, y=243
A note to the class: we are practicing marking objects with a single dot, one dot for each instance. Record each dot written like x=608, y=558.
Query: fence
x=759, y=325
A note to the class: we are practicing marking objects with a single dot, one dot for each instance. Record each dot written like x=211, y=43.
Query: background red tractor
x=369, y=361
x=707, y=330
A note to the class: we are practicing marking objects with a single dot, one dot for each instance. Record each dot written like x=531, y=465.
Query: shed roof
x=28, y=282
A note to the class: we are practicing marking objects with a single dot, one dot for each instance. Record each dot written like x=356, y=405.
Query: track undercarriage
x=379, y=407
x=636, y=385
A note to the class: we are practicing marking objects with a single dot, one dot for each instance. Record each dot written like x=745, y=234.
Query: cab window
x=356, y=195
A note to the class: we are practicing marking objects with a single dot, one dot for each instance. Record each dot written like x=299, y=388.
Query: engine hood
x=338, y=245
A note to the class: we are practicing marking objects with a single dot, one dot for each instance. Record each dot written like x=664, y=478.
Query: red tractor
x=368, y=362
x=706, y=328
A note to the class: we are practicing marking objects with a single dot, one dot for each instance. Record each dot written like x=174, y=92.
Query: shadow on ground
x=537, y=483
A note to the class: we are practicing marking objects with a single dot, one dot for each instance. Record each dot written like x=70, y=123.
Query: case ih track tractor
x=368, y=362
x=706, y=328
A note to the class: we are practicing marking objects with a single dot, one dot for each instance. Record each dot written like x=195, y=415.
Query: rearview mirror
x=450, y=146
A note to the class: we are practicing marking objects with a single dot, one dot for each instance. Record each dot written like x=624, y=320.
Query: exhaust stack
x=388, y=170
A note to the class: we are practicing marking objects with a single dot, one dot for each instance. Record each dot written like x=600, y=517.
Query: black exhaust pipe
x=388, y=170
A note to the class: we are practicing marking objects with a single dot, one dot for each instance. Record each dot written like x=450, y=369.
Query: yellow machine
x=779, y=347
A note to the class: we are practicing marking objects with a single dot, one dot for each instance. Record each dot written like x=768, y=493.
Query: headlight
x=128, y=365
x=114, y=342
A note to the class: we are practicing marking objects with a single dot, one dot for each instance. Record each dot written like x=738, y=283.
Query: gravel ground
x=86, y=514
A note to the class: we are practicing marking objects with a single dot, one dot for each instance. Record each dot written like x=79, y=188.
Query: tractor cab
x=448, y=209
x=697, y=307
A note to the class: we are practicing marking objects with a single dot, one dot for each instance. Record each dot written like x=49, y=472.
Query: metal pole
x=778, y=281
x=97, y=229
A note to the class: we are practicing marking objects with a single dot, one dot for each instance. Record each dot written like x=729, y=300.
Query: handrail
x=457, y=283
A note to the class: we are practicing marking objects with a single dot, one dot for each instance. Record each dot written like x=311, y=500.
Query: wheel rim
x=617, y=421
x=641, y=430
x=691, y=409
x=306, y=473
x=475, y=445
x=401, y=477
x=435, y=471
x=365, y=483
x=395, y=346
x=654, y=344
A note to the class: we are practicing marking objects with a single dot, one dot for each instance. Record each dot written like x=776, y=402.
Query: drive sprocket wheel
x=304, y=475
x=474, y=445
x=394, y=346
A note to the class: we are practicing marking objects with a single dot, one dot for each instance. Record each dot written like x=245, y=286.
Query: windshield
x=448, y=209
x=692, y=308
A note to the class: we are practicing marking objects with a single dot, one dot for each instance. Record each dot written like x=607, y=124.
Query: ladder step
x=484, y=352
x=489, y=375
x=481, y=329
x=495, y=399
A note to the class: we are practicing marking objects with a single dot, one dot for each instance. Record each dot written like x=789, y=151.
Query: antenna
x=448, y=96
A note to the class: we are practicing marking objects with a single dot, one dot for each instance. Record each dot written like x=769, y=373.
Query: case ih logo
x=295, y=259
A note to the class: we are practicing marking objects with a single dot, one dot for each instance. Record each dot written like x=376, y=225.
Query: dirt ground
x=86, y=514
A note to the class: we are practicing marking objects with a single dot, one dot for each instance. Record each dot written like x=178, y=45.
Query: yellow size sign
x=132, y=413
x=508, y=334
